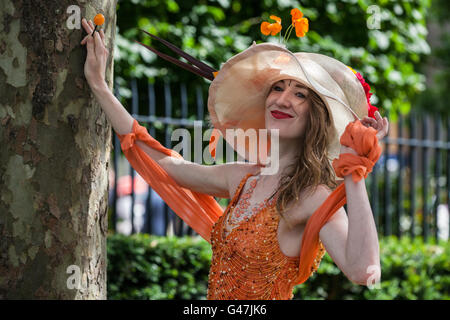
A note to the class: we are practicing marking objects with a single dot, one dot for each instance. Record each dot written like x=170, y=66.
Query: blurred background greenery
x=386, y=43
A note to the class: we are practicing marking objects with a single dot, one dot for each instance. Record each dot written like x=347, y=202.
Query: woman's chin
x=276, y=126
x=283, y=132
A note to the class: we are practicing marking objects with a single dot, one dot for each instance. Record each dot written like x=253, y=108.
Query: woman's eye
x=277, y=88
x=300, y=95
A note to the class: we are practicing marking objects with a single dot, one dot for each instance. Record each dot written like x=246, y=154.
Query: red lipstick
x=280, y=115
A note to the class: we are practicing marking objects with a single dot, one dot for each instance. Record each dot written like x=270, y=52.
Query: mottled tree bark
x=54, y=154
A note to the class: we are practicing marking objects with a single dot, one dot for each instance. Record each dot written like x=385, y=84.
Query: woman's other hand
x=97, y=55
x=380, y=124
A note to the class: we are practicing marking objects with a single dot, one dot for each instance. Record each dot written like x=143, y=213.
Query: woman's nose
x=283, y=99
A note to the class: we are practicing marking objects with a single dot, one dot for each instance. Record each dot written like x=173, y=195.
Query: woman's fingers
x=99, y=47
x=90, y=49
x=380, y=119
x=96, y=43
x=368, y=121
x=385, y=125
x=87, y=27
x=378, y=115
x=382, y=125
x=102, y=36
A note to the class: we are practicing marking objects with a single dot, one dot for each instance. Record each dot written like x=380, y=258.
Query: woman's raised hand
x=97, y=55
x=380, y=124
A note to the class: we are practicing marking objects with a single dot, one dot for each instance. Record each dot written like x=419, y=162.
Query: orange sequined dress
x=247, y=262
x=239, y=267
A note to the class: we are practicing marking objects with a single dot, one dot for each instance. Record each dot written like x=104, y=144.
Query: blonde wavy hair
x=312, y=166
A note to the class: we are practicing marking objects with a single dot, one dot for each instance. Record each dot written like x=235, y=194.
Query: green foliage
x=212, y=31
x=151, y=267
x=410, y=269
x=437, y=95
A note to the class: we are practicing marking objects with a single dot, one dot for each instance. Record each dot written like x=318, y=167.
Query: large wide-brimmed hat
x=239, y=89
x=238, y=92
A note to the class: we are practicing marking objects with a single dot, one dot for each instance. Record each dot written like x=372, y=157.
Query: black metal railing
x=408, y=188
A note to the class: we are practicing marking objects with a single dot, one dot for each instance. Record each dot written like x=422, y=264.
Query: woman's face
x=289, y=97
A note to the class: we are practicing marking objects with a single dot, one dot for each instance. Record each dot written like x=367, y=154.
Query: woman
x=255, y=253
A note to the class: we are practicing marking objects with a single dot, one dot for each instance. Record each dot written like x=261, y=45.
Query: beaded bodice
x=247, y=261
x=243, y=208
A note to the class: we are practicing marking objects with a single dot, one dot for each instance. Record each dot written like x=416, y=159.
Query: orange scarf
x=365, y=142
x=201, y=211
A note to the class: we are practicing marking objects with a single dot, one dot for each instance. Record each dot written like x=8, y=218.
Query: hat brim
x=238, y=93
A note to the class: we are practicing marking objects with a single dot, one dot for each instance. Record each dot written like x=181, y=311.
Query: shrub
x=151, y=267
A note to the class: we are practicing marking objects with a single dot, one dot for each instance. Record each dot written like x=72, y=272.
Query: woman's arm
x=352, y=241
x=94, y=70
x=351, y=238
x=116, y=113
x=362, y=246
x=212, y=180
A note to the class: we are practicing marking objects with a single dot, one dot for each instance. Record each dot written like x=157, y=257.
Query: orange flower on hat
x=271, y=28
x=296, y=15
x=301, y=24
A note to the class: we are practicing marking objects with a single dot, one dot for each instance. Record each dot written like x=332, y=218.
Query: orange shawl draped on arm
x=201, y=211
x=198, y=210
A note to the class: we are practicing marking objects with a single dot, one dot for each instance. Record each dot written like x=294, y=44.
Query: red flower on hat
x=364, y=84
x=371, y=109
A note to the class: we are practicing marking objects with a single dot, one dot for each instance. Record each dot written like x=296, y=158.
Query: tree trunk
x=55, y=148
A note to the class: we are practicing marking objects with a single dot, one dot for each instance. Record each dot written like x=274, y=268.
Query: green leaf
x=172, y=6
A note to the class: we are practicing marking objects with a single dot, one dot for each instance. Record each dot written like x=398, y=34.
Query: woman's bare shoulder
x=314, y=198
x=309, y=201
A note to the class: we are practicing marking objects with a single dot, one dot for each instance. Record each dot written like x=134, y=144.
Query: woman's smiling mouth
x=280, y=115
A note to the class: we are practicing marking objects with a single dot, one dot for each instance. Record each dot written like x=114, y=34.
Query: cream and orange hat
x=238, y=93
x=239, y=89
